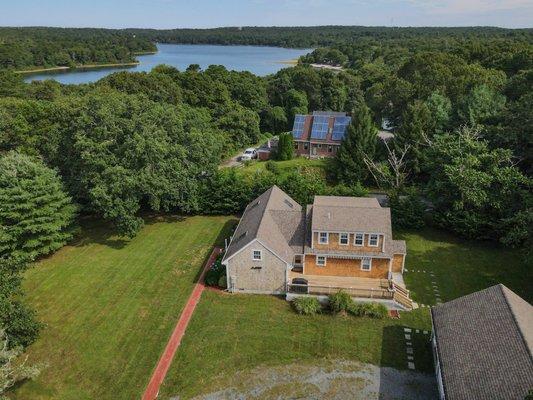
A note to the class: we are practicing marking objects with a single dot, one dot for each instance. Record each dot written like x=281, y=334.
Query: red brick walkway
x=163, y=365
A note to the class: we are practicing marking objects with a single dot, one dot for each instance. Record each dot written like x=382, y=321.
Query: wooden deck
x=325, y=285
x=340, y=281
x=355, y=287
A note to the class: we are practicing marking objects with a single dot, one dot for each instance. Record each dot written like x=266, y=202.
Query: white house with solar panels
x=319, y=134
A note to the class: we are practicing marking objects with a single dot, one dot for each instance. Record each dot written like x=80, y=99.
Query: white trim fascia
x=261, y=243
x=354, y=255
x=232, y=236
x=344, y=231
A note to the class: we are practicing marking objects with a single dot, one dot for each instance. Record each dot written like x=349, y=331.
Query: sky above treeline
x=164, y=14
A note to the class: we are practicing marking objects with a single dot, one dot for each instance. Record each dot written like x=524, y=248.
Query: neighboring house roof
x=274, y=219
x=484, y=343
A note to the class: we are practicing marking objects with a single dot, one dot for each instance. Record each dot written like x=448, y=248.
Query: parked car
x=249, y=154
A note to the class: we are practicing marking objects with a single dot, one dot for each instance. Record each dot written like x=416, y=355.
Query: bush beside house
x=339, y=303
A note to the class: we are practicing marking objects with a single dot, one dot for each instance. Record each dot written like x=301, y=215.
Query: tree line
x=24, y=48
x=40, y=47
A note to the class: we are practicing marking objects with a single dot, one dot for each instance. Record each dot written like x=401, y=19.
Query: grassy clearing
x=289, y=165
x=460, y=266
x=110, y=305
x=231, y=333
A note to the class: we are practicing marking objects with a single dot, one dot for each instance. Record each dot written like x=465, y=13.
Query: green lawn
x=298, y=162
x=109, y=306
x=236, y=333
x=231, y=333
x=460, y=266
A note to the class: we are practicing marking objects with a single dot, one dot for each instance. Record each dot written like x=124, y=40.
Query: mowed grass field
x=461, y=266
x=235, y=333
x=110, y=305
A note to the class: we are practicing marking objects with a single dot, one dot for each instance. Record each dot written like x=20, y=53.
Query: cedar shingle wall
x=343, y=267
x=397, y=262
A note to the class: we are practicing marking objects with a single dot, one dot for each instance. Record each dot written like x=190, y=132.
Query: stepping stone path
x=409, y=348
x=409, y=345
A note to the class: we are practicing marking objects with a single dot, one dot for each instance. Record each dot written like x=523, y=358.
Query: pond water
x=259, y=60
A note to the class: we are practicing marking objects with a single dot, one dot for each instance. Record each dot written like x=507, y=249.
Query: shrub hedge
x=306, y=305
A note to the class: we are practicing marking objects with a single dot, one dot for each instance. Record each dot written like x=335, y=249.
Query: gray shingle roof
x=351, y=214
x=396, y=247
x=276, y=220
x=485, y=345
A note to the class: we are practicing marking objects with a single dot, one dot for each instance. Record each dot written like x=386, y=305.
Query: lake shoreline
x=259, y=60
x=79, y=67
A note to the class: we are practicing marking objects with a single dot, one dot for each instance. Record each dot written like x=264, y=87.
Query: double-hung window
x=366, y=264
x=256, y=255
x=321, y=261
x=359, y=239
x=373, y=240
x=344, y=238
x=323, y=237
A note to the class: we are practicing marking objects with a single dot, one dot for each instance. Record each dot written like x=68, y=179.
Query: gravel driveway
x=329, y=380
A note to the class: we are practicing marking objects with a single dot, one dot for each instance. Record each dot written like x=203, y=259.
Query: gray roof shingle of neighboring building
x=276, y=220
x=484, y=343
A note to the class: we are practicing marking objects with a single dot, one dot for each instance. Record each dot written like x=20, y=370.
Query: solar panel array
x=298, y=127
x=320, y=127
x=339, y=127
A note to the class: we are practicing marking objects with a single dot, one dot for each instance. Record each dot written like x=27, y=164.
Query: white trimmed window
x=366, y=264
x=373, y=240
x=256, y=255
x=359, y=239
x=323, y=237
x=321, y=261
x=344, y=238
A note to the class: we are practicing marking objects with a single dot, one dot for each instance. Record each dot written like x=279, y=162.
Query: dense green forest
x=23, y=48
x=459, y=101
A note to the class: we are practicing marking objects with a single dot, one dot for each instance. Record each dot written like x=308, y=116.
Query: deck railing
x=370, y=293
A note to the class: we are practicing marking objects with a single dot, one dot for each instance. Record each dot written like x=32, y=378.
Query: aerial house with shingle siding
x=336, y=243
